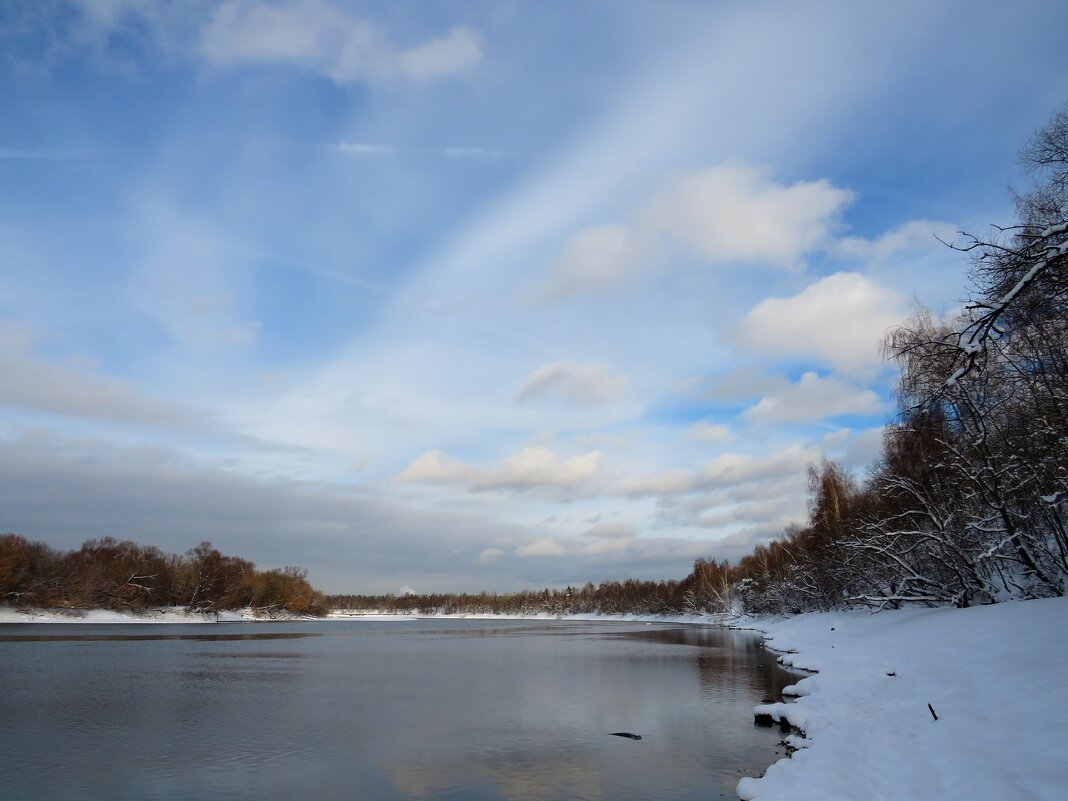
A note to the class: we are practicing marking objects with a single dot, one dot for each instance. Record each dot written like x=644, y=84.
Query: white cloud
x=736, y=213
x=710, y=433
x=574, y=384
x=606, y=546
x=911, y=237
x=813, y=398
x=730, y=213
x=671, y=482
x=539, y=467
x=733, y=468
x=318, y=37
x=530, y=468
x=726, y=471
x=594, y=258
x=458, y=50
x=542, y=547
x=839, y=320
x=437, y=467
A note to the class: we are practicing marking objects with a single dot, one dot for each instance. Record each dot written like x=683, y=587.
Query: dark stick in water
x=626, y=734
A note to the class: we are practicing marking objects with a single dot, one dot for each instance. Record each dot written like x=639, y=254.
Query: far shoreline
x=180, y=615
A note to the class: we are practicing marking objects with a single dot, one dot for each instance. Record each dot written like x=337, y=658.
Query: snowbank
x=357, y=614
x=996, y=676
x=169, y=614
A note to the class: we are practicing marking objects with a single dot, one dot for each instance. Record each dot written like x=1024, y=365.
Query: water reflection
x=112, y=637
x=436, y=710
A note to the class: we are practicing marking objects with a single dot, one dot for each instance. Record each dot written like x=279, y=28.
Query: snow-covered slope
x=997, y=677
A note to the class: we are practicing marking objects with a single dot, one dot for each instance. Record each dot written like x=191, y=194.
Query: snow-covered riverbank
x=997, y=677
x=171, y=614
x=357, y=614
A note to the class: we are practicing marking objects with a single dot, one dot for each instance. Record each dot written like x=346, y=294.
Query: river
x=377, y=711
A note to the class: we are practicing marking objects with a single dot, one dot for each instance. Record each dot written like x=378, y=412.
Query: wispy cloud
x=35, y=385
x=321, y=38
x=363, y=149
x=575, y=384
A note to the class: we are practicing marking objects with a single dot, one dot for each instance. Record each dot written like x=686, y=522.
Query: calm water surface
x=444, y=709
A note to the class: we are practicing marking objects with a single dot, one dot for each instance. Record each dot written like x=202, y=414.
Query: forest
x=108, y=574
x=967, y=504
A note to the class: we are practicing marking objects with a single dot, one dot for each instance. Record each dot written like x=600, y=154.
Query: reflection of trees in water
x=603, y=770
x=152, y=637
x=719, y=670
x=726, y=654
x=510, y=774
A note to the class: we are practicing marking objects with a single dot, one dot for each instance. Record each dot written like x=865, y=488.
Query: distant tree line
x=109, y=574
x=705, y=589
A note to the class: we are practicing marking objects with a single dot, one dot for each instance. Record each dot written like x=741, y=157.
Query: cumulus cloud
x=813, y=398
x=839, y=320
x=736, y=213
x=318, y=37
x=574, y=384
x=540, y=467
x=436, y=467
x=530, y=468
x=733, y=213
x=542, y=547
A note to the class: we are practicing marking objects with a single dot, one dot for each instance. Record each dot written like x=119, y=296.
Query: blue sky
x=476, y=295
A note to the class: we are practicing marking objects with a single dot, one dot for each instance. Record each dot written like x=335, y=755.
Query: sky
x=442, y=296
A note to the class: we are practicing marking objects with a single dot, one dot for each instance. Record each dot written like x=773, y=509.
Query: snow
x=344, y=614
x=995, y=675
x=169, y=614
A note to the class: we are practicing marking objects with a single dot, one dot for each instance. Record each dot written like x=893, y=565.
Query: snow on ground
x=997, y=677
x=358, y=614
x=170, y=614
